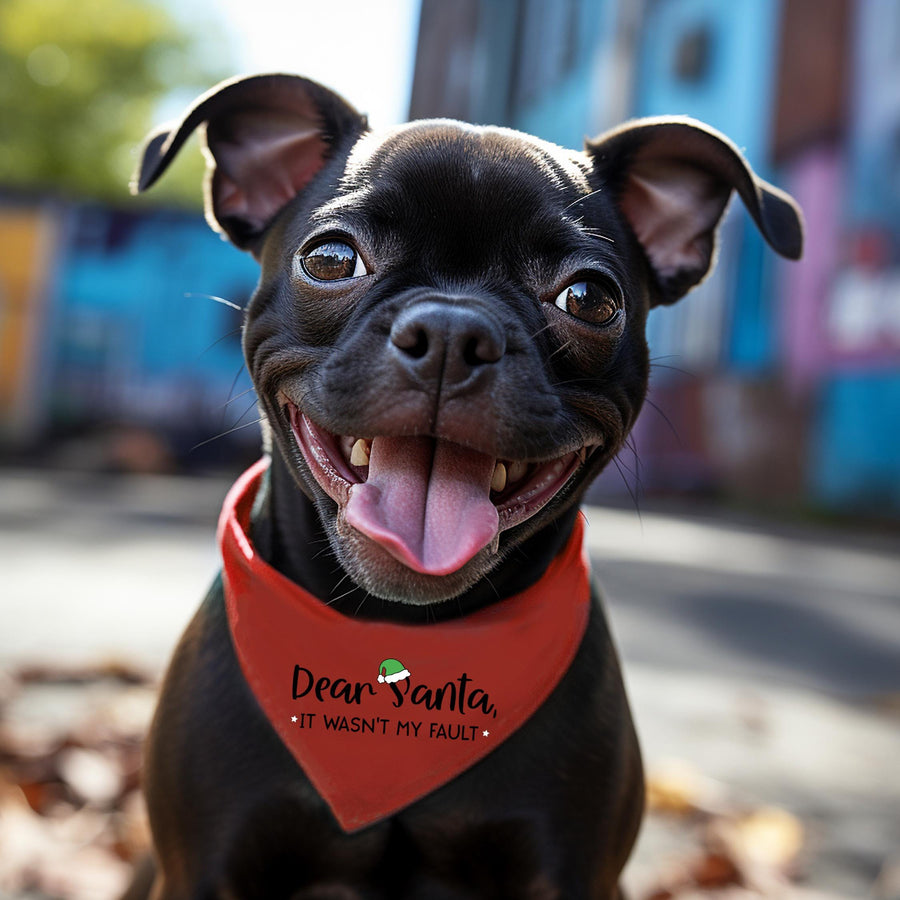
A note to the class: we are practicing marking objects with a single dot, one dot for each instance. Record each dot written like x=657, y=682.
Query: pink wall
x=816, y=180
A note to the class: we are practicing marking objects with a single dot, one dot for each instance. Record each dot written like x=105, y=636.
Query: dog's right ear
x=672, y=178
x=264, y=138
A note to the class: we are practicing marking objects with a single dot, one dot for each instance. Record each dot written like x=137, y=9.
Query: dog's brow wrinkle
x=363, y=150
x=355, y=198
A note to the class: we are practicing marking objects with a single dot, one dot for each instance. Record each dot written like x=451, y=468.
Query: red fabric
x=372, y=748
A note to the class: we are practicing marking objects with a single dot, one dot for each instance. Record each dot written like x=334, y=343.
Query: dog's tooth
x=516, y=470
x=498, y=479
x=359, y=455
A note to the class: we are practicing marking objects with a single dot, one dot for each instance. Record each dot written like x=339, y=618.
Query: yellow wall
x=23, y=265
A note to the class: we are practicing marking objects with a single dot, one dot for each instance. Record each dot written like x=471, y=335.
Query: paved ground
x=766, y=659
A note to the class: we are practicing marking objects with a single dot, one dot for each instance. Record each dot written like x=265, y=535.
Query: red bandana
x=378, y=714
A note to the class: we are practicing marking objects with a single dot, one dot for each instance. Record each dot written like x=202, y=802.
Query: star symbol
x=485, y=733
x=293, y=718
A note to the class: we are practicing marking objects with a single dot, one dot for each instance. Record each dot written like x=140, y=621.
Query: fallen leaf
x=769, y=837
x=112, y=670
x=675, y=787
x=29, y=739
x=93, y=776
x=55, y=857
x=715, y=870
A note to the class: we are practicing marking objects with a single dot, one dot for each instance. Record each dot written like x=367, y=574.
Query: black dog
x=448, y=344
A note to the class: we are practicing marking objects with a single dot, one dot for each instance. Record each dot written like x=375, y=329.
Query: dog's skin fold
x=451, y=320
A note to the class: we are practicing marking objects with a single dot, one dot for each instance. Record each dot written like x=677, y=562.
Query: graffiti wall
x=27, y=236
x=123, y=320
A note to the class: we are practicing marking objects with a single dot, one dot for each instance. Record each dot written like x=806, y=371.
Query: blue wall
x=718, y=61
x=856, y=447
x=125, y=342
x=729, y=87
x=734, y=93
x=561, y=110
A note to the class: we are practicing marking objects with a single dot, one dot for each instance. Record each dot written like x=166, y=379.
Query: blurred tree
x=79, y=83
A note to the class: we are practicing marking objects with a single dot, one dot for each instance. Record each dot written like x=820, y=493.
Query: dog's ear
x=264, y=138
x=672, y=178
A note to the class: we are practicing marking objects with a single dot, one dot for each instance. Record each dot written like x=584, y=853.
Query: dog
x=447, y=343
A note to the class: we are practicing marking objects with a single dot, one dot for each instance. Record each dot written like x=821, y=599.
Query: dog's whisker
x=631, y=492
x=236, y=423
x=635, y=470
x=231, y=400
x=346, y=575
x=221, y=300
x=224, y=337
x=567, y=382
x=244, y=413
x=655, y=365
x=665, y=418
x=599, y=235
x=582, y=199
x=340, y=597
x=560, y=349
x=346, y=593
x=225, y=433
x=361, y=602
x=234, y=381
x=540, y=331
x=624, y=464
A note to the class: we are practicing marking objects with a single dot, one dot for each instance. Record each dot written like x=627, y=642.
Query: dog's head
x=447, y=339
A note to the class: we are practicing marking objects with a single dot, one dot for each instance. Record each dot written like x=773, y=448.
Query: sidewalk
x=763, y=668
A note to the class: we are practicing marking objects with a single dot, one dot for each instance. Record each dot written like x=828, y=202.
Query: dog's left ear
x=264, y=137
x=672, y=179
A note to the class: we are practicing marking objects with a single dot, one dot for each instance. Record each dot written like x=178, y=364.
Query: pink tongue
x=426, y=502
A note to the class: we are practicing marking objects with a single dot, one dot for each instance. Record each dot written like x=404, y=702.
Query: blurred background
x=747, y=540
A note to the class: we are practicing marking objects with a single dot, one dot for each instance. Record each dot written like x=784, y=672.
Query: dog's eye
x=333, y=261
x=592, y=301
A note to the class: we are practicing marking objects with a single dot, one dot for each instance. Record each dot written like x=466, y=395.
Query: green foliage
x=79, y=83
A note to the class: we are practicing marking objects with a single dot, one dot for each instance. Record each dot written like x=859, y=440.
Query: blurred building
x=778, y=381
x=773, y=381
x=109, y=328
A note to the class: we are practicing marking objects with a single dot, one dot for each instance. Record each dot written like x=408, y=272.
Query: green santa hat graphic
x=392, y=670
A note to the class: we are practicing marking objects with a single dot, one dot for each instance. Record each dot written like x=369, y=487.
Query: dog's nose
x=450, y=342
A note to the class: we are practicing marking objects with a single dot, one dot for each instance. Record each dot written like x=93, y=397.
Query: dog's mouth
x=431, y=503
